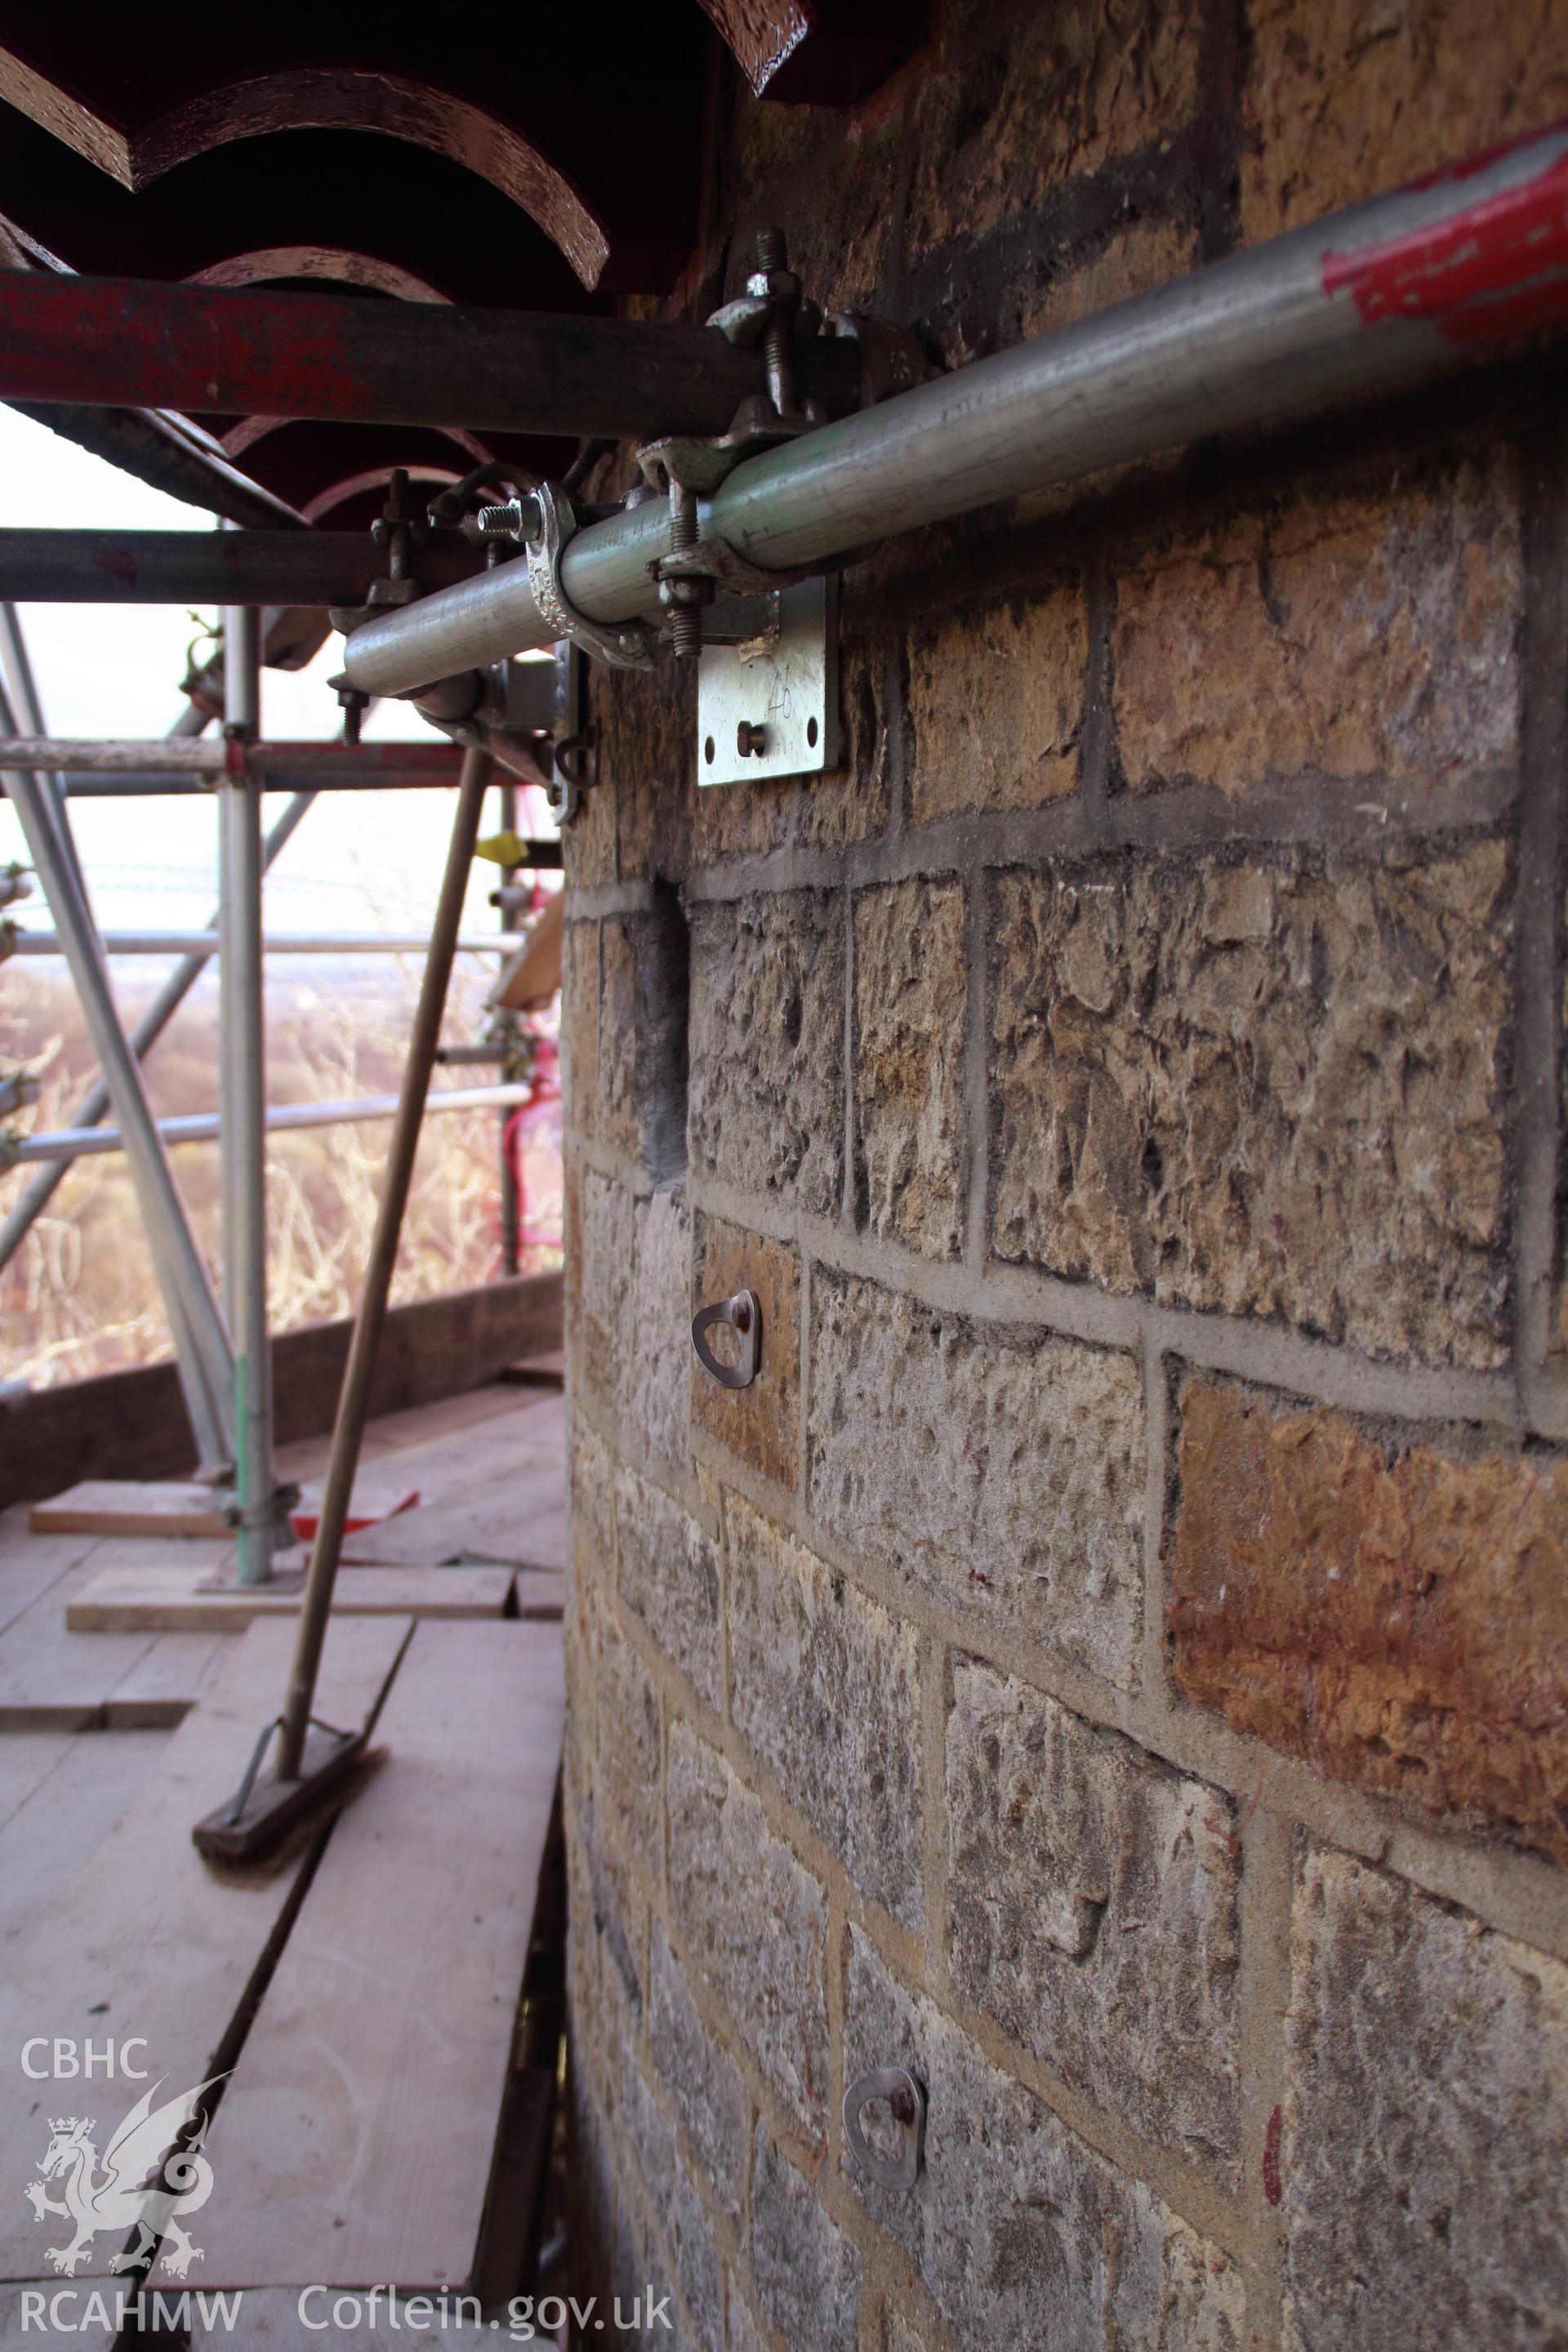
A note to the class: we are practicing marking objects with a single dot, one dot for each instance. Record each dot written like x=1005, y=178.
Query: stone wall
x=1114, y=1660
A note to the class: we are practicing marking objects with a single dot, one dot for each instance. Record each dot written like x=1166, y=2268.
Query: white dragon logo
x=138, y=2188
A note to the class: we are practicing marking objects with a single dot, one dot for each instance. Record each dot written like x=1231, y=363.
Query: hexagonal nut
x=780, y=286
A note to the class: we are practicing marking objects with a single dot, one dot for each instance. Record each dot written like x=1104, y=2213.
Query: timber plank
x=163, y=1684
x=521, y=1520
x=32, y=1565
x=126, y=1507
x=97, y=1777
x=137, y=1922
x=355, y=2144
x=171, y=1599
x=49, y=1680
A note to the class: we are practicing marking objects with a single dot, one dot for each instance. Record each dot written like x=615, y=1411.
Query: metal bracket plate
x=776, y=670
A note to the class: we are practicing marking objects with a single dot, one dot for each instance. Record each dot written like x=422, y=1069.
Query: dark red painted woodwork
x=208, y=350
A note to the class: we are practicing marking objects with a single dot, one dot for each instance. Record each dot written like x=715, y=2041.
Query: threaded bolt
x=778, y=355
x=685, y=619
x=506, y=521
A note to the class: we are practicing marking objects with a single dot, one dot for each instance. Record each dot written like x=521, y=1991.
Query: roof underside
x=406, y=156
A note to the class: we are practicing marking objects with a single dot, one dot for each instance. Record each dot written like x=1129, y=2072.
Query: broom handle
x=354, y=1403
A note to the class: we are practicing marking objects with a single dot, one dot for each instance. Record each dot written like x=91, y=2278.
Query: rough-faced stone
x=1093, y=1910
x=996, y=701
x=1022, y=2234
x=999, y=1469
x=766, y=1105
x=1340, y=104
x=1426, y=2115
x=616, y=1912
x=760, y=1423
x=1362, y=635
x=702, y=2079
x=588, y=845
x=580, y=1024
x=825, y=1688
x=851, y=802
x=605, y=1259
x=659, y=1400
x=911, y=989
x=696, y=2266
x=745, y=2332
x=647, y=752
x=670, y=1578
x=754, y=1922
x=648, y=2131
x=1267, y=1086
x=1019, y=105
x=644, y=984
x=807, y=2272
x=593, y=1498
x=627, y=1712
x=1400, y=1620
x=1136, y=258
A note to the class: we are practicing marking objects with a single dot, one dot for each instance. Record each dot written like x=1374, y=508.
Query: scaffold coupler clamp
x=622, y=645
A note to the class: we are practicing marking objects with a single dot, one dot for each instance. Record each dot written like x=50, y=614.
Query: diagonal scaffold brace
x=314, y=1764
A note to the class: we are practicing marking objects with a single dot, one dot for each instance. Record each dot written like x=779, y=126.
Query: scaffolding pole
x=196, y=955
x=201, y=1343
x=242, y=1049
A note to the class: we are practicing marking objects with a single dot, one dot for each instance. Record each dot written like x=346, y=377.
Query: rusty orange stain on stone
x=1401, y=1623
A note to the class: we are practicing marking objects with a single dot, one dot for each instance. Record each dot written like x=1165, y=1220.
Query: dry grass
x=79, y=1297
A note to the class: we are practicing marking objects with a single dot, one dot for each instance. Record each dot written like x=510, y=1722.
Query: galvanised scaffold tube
x=1376, y=296
x=242, y=1031
x=141, y=1041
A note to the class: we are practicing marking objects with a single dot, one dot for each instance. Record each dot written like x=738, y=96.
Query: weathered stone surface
x=604, y=1262
x=852, y=802
x=658, y=1399
x=1267, y=1087
x=593, y=1496
x=703, y=2080
x=1137, y=258
x=911, y=990
x=648, y=2130
x=580, y=1024
x=1401, y=1621
x=1424, y=2123
x=760, y=1424
x=670, y=1578
x=1019, y=105
x=844, y=204
x=766, y=1105
x=588, y=846
x=696, y=2265
x=745, y=2333
x=627, y=1712
x=648, y=755
x=1000, y=1469
x=996, y=700
x=1356, y=635
x=807, y=2271
x=618, y=1913
x=898, y=2336
x=754, y=1921
x=1022, y=2235
x=825, y=1688
x=1341, y=103
x=1093, y=1900
x=644, y=987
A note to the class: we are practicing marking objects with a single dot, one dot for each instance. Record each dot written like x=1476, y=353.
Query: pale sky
x=360, y=861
